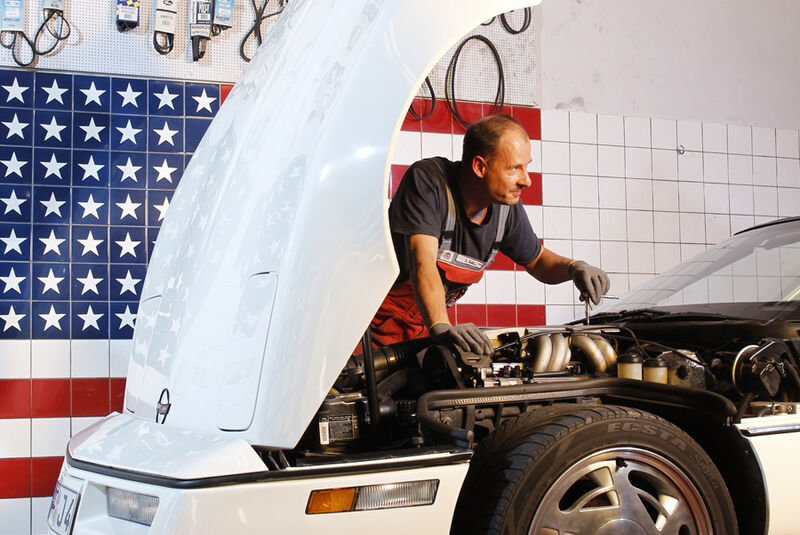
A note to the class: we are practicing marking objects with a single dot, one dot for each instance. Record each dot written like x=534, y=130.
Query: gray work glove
x=466, y=336
x=591, y=281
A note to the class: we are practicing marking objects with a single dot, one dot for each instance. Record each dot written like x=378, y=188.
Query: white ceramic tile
x=693, y=228
x=765, y=201
x=760, y=220
x=720, y=289
x=764, y=141
x=768, y=262
x=582, y=127
x=500, y=287
x=715, y=167
x=665, y=195
x=641, y=258
x=49, y=436
x=745, y=290
x=50, y=358
x=613, y=225
x=690, y=135
x=665, y=164
x=639, y=194
x=90, y=358
x=557, y=223
x=534, y=214
x=559, y=314
x=745, y=266
x=664, y=134
x=769, y=288
x=458, y=146
x=560, y=246
x=740, y=139
x=740, y=169
x=639, y=279
x=587, y=250
x=690, y=167
x=437, y=145
x=612, y=192
x=716, y=198
x=741, y=197
x=765, y=171
x=638, y=163
x=742, y=222
x=39, y=508
x=583, y=159
x=610, y=161
x=787, y=144
x=637, y=132
x=555, y=125
x=666, y=227
x=715, y=137
x=15, y=437
x=15, y=516
x=556, y=190
x=475, y=294
x=718, y=228
x=614, y=256
x=559, y=294
x=79, y=424
x=585, y=224
x=15, y=359
x=408, y=148
x=610, y=130
x=789, y=172
x=691, y=197
x=690, y=250
x=640, y=225
x=555, y=157
x=120, y=353
x=536, y=157
x=529, y=290
x=667, y=256
x=788, y=202
x=584, y=191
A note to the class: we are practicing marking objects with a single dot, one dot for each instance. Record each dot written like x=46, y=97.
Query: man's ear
x=479, y=166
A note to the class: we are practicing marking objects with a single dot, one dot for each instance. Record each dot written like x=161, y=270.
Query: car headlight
x=131, y=506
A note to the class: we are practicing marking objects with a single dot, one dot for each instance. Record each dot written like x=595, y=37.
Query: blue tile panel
x=88, y=168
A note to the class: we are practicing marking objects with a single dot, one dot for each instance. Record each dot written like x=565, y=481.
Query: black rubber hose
x=526, y=22
x=450, y=77
x=414, y=113
x=51, y=14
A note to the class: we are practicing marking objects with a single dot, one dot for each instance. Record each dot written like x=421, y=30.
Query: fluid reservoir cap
x=655, y=362
x=631, y=358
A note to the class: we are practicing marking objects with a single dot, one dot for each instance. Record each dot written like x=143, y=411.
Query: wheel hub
x=621, y=526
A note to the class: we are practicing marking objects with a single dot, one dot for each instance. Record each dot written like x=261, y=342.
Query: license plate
x=62, y=509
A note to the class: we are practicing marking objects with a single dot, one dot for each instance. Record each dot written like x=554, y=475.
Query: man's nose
x=525, y=179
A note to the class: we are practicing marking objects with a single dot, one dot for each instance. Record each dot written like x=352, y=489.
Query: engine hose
x=743, y=405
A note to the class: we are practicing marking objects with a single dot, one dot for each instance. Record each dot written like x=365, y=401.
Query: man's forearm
x=550, y=268
x=429, y=293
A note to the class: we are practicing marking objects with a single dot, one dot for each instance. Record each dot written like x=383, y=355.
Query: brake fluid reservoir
x=629, y=366
x=655, y=370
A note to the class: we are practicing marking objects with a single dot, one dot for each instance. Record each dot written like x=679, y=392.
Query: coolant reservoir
x=629, y=366
x=655, y=370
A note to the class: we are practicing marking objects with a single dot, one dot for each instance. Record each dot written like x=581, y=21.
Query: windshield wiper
x=656, y=314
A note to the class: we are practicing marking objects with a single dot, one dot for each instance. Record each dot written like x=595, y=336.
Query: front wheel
x=577, y=470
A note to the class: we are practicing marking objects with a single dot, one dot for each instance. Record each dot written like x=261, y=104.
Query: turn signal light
x=371, y=497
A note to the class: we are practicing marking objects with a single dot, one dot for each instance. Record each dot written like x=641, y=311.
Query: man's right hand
x=466, y=336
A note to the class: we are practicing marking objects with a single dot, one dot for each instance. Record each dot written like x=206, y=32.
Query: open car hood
x=276, y=251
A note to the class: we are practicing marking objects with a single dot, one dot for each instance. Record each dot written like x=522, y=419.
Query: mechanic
x=449, y=220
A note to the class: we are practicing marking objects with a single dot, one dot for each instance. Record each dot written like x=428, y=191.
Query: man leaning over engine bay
x=449, y=220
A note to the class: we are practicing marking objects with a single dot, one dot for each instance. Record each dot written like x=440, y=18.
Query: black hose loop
x=450, y=77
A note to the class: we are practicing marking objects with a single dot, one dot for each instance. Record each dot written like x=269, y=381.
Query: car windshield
x=755, y=274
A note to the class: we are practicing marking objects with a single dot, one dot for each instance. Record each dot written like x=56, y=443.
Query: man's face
x=505, y=172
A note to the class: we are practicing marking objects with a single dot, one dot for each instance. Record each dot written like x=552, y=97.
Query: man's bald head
x=482, y=137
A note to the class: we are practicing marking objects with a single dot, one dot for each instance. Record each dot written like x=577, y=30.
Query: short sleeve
x=419, y=204
x=520, y=243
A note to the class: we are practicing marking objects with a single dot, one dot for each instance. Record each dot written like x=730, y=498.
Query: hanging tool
x=12, y=23
x=53, y=11
x=255, y=30
x=166, y=21
x=223, y=15
x=127, y=14
x=199, y=26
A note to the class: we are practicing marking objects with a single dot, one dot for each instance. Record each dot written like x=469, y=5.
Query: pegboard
x=476, y=71
x=95, y=45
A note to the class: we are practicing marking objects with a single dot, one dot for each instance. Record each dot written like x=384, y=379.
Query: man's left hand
x=591, y=281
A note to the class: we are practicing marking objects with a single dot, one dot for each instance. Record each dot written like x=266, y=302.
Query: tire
x=592, y=470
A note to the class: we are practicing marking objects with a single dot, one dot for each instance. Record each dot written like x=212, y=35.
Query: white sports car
x=672, y=411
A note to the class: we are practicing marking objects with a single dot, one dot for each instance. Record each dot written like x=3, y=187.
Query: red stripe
x=470, y=112
x=502, y=263
x=397, y=174
x=530, y=119
x=44, y=475
x=529, y=315
x=117, y=393
x=440, y=122
x=411, y=123
x=471, y=314
x=15, y=398
x=90, y=397
x=51, y=398
x=16, y=479
x=224, y=91
x=532, y=195
x=501, y=315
